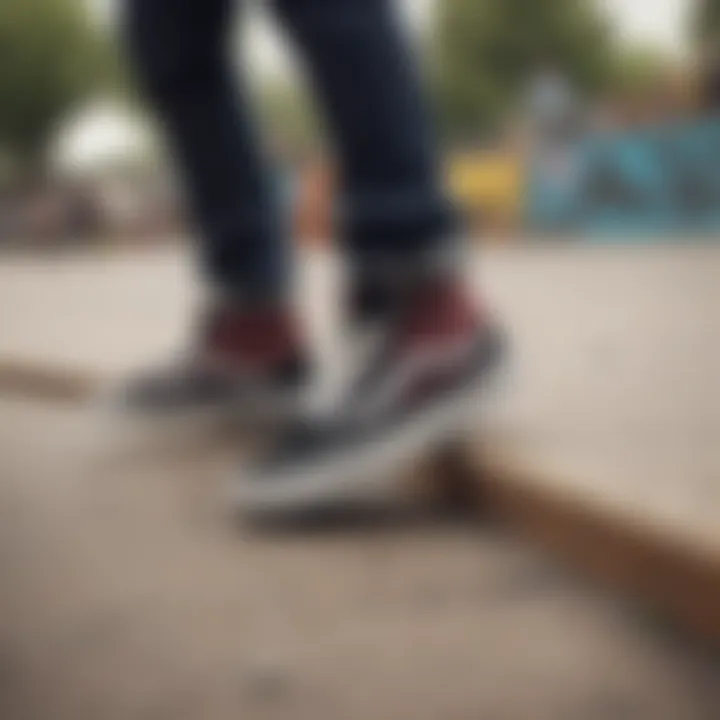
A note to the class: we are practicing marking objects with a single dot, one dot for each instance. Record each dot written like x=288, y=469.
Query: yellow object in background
x=488, y=186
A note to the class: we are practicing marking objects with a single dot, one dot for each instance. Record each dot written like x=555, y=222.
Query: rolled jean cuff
x=401, y=235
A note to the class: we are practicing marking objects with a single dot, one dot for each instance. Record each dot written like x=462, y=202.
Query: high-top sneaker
x=423, y=386
x=250, y=361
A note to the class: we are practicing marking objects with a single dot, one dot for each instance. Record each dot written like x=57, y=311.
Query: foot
x=423, y=386
x=248, y=361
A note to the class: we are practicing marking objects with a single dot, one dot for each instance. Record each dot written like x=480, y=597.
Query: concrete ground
x=127, y=592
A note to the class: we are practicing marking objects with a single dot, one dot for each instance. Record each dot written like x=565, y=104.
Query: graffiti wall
x=650, y=181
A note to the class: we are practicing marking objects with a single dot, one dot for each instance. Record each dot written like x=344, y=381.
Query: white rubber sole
x=367, y=472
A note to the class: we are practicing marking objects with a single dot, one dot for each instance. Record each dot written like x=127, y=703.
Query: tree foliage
x=288, y=116
x=705, y=23
x=51, y=58
x=640, y=68
x=487, y=49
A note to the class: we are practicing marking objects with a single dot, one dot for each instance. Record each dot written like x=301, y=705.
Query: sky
x=661, y=22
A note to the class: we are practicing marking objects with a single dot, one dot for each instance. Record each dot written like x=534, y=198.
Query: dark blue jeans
x=393, y=212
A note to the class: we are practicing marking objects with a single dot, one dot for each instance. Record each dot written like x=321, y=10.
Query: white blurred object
x=101, y=138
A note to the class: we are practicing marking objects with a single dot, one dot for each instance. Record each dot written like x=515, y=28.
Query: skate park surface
x=129, y=592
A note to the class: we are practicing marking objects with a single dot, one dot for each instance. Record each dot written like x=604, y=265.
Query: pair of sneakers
x=420, y=384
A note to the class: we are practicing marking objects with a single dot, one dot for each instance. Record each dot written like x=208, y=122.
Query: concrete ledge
x=629, y=554
x=611, y=347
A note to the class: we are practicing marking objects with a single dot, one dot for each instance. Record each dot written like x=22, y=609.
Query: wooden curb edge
x=30, y=380
x=636, y=559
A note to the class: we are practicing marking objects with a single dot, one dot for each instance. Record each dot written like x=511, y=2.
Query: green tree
x=487, y=49
x=640, y=68
x=51, y=58
x=288, y=116
x=705, y=23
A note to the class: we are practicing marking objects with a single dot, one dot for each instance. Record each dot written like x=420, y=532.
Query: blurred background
x=581, y=139
x=584, y=118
